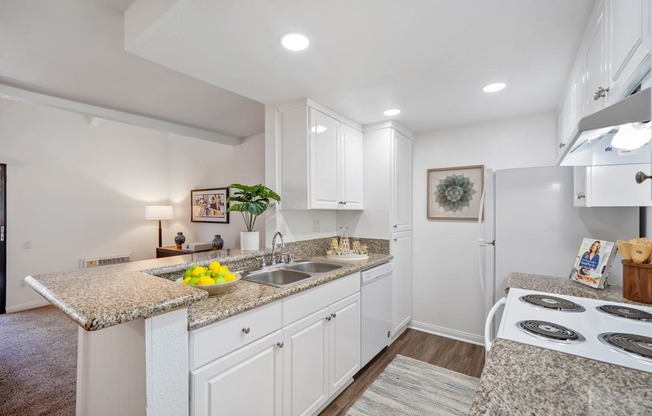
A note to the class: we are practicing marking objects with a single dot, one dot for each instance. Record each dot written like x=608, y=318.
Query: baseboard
x=447, y=332
x=28, y=305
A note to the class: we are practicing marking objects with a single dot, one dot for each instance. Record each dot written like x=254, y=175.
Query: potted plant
x=250, y=201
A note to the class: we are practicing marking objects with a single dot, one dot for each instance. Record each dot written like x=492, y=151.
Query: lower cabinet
x=245, y=382
x=321, y=354
x=401, y=249
x=294, y=370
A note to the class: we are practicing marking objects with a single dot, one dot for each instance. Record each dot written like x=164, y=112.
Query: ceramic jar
x=179, y=239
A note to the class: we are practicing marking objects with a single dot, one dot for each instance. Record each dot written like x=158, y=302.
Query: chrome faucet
x=278, y=233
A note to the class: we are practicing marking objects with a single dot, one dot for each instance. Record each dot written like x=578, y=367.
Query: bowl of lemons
x=214, y=278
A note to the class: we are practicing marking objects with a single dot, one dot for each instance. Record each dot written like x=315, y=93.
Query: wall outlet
x=316, y=227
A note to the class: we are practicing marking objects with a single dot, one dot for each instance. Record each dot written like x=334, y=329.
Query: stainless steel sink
x=278, y=277
x=282, y=275
x=314, y=267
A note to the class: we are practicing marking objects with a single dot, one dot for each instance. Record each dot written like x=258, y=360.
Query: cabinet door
x=614, y=186
x=580, y=193
x=596, y=65
x=401, y=183
x=351, y=168
x=562, y=133
x=630, y=44
x=344, y=341
x=323, y=151
x=305, y=357
x=227, y=385
x=401, y=249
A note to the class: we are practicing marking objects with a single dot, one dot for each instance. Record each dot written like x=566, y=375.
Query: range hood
x=591, y=143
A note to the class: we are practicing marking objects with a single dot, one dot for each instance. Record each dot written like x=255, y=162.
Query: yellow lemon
x=197, y=271
x=186, y=280
x=229, y=277
x=223, y=270
x=205, y=280
x=214, y=265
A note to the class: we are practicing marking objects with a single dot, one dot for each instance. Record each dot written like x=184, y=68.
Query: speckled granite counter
x=105, y=296
x=521, y=379
x=565, y=286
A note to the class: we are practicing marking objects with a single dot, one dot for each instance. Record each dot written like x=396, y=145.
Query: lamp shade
x=158, y=212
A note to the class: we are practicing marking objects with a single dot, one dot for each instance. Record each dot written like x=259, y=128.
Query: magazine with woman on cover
x=593, y=262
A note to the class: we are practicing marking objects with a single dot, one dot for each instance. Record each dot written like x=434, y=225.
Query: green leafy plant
x=251, y=201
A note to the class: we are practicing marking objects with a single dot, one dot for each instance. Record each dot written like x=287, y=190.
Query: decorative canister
x=179, y=239
x=637, y=281
x=217, y=243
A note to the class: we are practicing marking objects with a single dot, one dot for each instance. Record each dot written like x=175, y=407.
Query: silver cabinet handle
x=280, y=344
x=395, y=226
x=333, y=315
x=642, y=177
x=600, y=93
x=246, y=330
x=580, y=195
x=562, y=145
x=328, y=318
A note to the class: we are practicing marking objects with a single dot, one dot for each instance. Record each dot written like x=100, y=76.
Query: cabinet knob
x=562, y=145
x=246, y=330
x=333, y=315
x=328, y=318
x=395, y=226
x=280, y=344
x=600, y=93
x=388, y=334
x=580, y=195
x=642, y=177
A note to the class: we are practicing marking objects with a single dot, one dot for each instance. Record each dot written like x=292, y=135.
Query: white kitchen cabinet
x=401, y=249
x=629, y=36
x=597, y=85
x=401, y=182
x=245, y=382
x=321, y=159
x=611, y=186
x=322, y=353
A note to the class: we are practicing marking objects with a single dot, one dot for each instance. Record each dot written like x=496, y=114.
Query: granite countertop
x=524, y=379
x=98, y=298
x=521, y=379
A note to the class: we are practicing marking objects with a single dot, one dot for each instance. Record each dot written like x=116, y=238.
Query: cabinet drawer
x=214, y=341
x=310, y=301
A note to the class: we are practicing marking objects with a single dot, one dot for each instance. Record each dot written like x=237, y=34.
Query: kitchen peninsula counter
x=102, y=297
x=524, y=379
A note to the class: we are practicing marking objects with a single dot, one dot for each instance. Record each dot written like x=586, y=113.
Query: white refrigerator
x=531, y=226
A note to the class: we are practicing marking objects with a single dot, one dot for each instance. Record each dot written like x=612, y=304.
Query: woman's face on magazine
x=595, y=247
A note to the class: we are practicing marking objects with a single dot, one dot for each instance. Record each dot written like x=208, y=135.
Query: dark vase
x=179, y=239
x=217, y=243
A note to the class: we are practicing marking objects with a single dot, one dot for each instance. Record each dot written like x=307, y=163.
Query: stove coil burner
x=636, y=346
x=551, y=302
x=551, y=332
x=626, y=312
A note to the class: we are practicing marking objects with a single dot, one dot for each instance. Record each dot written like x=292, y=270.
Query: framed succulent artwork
x=454, y=193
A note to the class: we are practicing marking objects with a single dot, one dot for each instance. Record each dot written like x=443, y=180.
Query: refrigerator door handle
x=487, y=324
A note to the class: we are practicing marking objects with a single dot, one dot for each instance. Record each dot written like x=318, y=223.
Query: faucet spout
x=278, y=234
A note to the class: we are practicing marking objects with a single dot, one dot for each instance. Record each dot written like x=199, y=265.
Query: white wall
x=447, y=297
x=198, y=164
x=80, y=190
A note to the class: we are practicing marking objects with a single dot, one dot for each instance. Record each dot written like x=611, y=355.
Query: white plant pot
x=249, y=240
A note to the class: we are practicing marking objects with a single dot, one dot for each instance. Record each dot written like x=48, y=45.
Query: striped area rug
x=412, y=387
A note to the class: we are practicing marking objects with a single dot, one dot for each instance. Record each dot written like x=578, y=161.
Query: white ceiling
x=428, y=57
x=203, y=57
x=74, y=49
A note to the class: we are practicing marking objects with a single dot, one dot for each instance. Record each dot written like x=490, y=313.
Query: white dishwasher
x=376, y=299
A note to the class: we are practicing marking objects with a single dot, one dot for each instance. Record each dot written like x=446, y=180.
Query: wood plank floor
x=443, y=352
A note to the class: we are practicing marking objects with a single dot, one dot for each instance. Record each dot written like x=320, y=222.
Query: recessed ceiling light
x=295, y=42
x=392, y=112
x=494, y=87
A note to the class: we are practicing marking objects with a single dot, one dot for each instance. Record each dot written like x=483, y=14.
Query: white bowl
x=216, y=289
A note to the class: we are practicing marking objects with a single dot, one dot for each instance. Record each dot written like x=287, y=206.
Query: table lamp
x=158, y=213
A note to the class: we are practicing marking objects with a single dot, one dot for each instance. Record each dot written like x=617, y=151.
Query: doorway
x=3, y=238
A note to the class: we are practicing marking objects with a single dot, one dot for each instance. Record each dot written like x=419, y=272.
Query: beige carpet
x=38, y=363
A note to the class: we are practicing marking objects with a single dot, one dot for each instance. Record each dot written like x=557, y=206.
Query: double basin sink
x=281, y=275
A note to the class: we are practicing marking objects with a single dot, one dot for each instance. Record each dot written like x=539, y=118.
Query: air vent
x=104, y=261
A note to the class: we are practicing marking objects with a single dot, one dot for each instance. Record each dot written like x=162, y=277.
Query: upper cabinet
x=321, y=159
x=613, y=59
x=401, y=182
